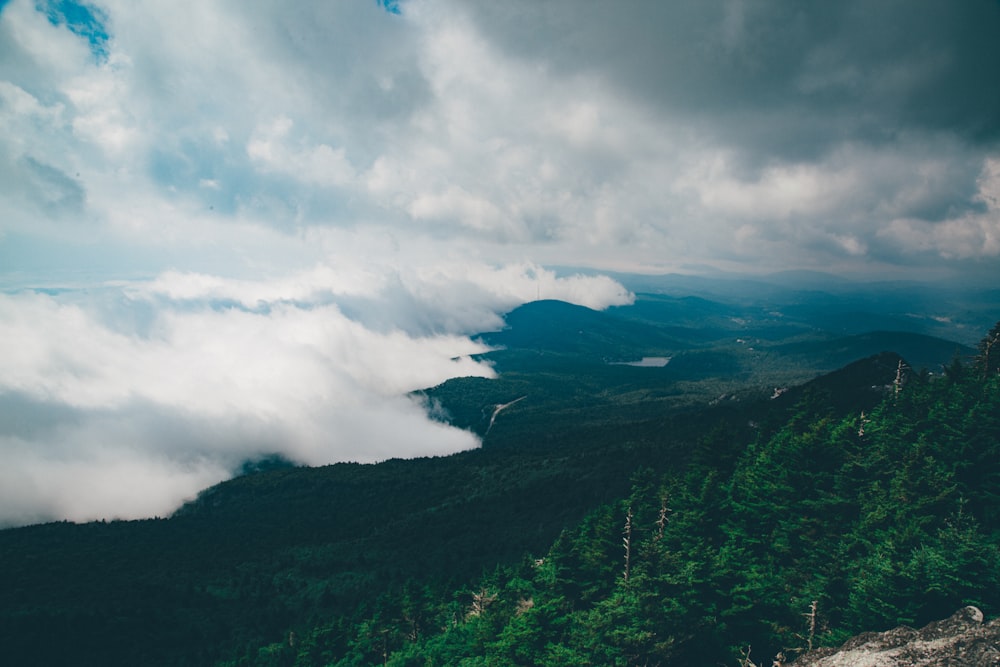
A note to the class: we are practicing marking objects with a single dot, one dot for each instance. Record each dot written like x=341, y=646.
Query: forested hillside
x=829, y=526
x=870, y=490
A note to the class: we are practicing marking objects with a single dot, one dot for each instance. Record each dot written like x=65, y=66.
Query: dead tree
x=661, y=520
x=811, y=617
x=627, y=544
x=898, y=382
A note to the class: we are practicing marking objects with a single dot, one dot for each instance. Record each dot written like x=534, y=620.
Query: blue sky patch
x=391, y=6
x=83, y=20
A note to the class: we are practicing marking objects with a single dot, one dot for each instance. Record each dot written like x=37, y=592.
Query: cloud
x=318, y=165
x=817, y=123
x=973, y=234
x=124, y=401
x=203, y=388
x=862, y=66
x=624, y=136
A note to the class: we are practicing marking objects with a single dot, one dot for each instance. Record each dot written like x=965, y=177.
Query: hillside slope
x=827, y=527
x=259, y=555
x=333, y=553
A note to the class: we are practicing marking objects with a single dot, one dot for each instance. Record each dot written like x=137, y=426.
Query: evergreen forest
x=648, y=522
x=828, y=526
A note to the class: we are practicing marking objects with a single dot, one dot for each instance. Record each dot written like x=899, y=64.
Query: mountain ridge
x=323, y=531
x=331, y=553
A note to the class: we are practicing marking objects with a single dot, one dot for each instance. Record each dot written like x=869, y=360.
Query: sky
x=231, y=228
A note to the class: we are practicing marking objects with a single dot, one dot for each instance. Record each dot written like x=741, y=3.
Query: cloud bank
x=125, y=401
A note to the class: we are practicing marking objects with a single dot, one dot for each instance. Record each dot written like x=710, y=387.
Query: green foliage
x=564, y=361
x=882, y=506
x=879, y=525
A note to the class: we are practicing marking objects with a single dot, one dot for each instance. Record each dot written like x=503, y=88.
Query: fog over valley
x=230, y=230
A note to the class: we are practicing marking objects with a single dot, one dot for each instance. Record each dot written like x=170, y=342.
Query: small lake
x=645, y=362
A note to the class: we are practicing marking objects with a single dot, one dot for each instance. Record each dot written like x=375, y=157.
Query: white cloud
x=974, y=234
x=18, y=102
x=215, y=360
x=317, y=165
x=305, y=286
x=458, y=205
x=173, y=382
x=100, y=117
x=252, y=122
x=55, y=49
x=226, y=383
x=92, y=481
x=777, y=193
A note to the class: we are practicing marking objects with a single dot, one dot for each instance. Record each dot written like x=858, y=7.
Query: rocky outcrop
x=960, y=641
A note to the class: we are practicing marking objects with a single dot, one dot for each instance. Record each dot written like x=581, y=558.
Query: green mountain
x=562, y=365
x=556, y=327
x=826, y=526
x=919, y=350
x=434, y=561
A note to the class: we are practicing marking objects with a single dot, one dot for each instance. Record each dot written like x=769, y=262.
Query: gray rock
x=962, y=640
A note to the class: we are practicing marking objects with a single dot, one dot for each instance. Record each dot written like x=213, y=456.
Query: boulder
x=962, y=640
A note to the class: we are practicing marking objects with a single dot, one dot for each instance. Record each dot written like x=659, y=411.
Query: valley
x=354, y=564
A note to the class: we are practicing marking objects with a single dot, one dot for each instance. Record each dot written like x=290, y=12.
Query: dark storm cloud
x=783, y=78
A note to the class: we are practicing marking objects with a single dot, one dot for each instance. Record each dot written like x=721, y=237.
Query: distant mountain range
x=837, y=303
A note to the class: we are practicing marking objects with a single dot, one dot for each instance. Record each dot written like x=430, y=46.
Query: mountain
x=289, y=547
x=261, y=553
x=562, y=365
x=559, y=328
x=821, y=527
x=920, y=351
x=349, y=563
x=838, y=305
